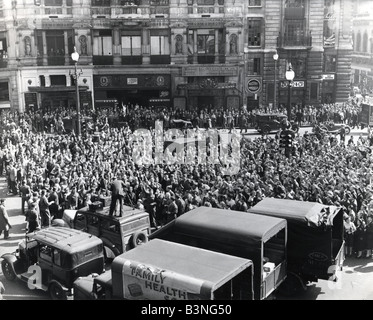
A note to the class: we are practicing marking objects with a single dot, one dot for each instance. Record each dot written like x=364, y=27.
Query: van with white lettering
x=259, y=238
x=163, y=270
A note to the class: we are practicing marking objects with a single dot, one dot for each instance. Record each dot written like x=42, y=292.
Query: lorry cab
x=258, y=238
x=163, y=270
x=52, y=258
x=315, y=239
x=119, y=234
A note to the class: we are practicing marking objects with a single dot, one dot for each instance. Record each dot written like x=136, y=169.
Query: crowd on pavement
x=56, y=172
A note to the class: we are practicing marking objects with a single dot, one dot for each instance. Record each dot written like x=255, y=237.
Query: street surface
x=355, y=281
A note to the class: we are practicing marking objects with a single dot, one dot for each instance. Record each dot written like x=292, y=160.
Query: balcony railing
x=205, y=9
x=56, y=61
x=159, y=10
x=100, y=11
x=300, y=39
x=205, y=59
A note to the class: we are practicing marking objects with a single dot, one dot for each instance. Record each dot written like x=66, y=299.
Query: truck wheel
x=347, y=130
x=266, y=129
x=138, y=238
x=8, y=271
x=56, y=291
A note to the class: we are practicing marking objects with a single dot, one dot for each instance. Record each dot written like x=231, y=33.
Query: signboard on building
x=294, y=84
x=209, y=71
x=142, y=81
x=328, y=76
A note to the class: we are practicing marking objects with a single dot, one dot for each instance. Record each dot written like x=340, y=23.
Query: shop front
x=210, y=87
x=57, y=98
x=148, y=90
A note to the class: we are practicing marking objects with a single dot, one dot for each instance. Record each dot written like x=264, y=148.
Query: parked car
x=53, y=258
x=269, y=122
x=332, y=127
x=119, y=234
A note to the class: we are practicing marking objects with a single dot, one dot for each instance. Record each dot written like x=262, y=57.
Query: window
x=330, y=63
x=53, y=2
x=3, y=45
x=131, y=45
x=58, y=80
x=100, y=3
x=55, y=42
x=314, y=91
x=57, y=257
x=253, y=66
x=4, y=91
x=129, y=2
x=159, y=43
x=80, y=221
x=294, y=32
x=45, y=253
x=254, y=27
x=358, y=42
x=102, y=43
x=294, y=3
x=365, y=42
x=206, y=41
x=255, y=3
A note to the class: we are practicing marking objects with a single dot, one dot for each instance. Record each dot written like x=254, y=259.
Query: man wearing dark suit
x=117, y=193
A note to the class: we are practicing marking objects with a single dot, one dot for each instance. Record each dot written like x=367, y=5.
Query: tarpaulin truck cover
x=249, y=230
x=300, y=212
x=160, y=270
x=315, y=235
x=232, y=232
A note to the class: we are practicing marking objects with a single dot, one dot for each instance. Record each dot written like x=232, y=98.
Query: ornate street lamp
x=75, y=57
x=290, y=75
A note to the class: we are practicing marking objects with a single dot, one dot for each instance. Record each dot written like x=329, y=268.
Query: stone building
x=173, y=53
x=362, y=56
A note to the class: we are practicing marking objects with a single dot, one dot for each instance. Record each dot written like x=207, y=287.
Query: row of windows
x=361, y=44
x=107, y=3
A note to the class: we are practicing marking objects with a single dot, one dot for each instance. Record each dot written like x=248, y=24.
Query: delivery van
x=258, y=238
x=315, y=243
x=163, y=270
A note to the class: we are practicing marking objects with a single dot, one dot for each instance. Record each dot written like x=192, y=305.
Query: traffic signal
x=286, y=139
x=84, y=126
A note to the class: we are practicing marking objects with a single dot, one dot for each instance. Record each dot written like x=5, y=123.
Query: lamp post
x=75, y=57
x=275, y=58
x=290, y=75
x=246, y=54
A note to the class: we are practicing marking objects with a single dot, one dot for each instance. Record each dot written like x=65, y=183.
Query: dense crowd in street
x=56, y=172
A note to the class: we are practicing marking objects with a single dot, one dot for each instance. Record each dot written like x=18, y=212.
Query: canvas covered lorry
x=163, y=270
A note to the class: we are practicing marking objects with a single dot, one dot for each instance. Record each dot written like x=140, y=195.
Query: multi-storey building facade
x=362, y=56
x=173, y=53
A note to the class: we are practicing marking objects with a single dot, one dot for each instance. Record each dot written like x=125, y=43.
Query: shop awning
x=56, y=89
x=199, y=86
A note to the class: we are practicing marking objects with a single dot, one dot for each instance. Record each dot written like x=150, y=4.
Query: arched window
x=358, y=42
x=365, y=42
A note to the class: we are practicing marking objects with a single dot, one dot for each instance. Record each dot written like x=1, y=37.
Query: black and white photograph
x=162, y=151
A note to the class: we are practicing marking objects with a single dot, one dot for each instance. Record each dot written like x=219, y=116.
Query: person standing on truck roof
x=117, y=193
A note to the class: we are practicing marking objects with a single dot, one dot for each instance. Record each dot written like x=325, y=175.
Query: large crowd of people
x=64, y=171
